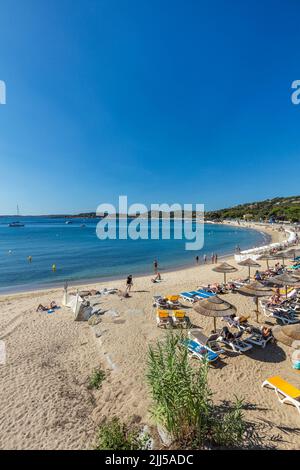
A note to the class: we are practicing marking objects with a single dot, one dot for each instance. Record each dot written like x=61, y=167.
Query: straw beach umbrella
x=287, y=334
x=250, y=263
x=214, y=307
x=282, y=255
x=285, y=280
x=224, y=268
x=293, y=253
x=266, y=257
x=256, y=290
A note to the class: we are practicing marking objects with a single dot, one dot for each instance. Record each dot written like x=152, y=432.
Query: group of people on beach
x=214, y=259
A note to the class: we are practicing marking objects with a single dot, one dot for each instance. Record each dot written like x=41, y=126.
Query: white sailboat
x=16, y=223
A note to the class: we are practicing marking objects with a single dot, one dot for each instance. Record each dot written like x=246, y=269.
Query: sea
x=80, y=256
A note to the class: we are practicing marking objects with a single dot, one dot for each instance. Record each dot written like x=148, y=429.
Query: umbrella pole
x=286, y=289
x=225, y=278
x=249, y=274
x=267, y=264
x=215, y=325
x=257, y=311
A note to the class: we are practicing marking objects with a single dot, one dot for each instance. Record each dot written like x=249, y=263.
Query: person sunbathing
x=266, y=332
x=226, y=334
x=274, y=300
x=42, y=308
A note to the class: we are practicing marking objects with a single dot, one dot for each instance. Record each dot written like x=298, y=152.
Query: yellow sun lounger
x=163, y=318
x=286, y=393
x=172, y=298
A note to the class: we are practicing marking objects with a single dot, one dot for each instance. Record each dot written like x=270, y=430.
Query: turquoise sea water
x=80, y=256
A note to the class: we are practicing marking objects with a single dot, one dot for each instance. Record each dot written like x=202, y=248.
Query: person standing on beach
x=212, y=258
x=204, y=259
x=129, y=284
x=216, y=258
x=155, y=265
x=197, y=259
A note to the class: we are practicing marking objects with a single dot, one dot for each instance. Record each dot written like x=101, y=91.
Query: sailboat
x=16, y=223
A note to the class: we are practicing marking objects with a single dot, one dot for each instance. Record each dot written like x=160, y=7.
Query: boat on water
x=68, y=222
x=16, y=223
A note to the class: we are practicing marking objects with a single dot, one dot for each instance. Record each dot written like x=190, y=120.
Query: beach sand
x=45, y=401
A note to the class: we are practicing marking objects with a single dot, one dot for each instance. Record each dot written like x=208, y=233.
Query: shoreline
x=81, y=283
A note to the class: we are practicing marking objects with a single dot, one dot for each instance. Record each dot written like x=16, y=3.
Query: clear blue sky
x=165, y=101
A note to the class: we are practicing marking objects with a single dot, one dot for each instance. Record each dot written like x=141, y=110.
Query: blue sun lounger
x=194, y=295
x=200, y=351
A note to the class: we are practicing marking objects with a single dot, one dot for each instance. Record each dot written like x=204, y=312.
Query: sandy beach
x=45, y=400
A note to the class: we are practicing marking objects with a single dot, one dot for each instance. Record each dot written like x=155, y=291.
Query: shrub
x=114, y=435
x=182, y=399
x=96, y=379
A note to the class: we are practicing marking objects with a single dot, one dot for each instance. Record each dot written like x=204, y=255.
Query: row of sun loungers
x=176, y=318
x=194, y=296
x=287, y=314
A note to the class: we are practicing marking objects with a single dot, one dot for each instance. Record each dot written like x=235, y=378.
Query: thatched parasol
x=285, y=280
x=214, y=307
x=287, y=334
x=250, y=263
x=282, y=255
x=293, y=253
x=224, y=268
x=266, y=257
x=256, y=289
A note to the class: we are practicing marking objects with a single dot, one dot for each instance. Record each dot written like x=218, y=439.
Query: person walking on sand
x=216, y=258
x=204, y=259
x=197, y=259
x=157, y=277
x=212, y=258
x=129, y=284
x=155, y=265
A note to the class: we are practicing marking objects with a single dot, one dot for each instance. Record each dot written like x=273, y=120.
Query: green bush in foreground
x=182, y=400
x=96, y=379
x=114, y=435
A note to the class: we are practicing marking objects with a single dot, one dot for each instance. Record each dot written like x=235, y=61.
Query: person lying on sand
x=42, y=308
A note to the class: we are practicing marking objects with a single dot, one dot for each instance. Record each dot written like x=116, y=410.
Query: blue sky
x=164, y=101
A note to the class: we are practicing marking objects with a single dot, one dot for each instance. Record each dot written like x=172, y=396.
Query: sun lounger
x=199, y=351
x=195, y=295
x=236, y=344
x=163, y=319
x=179, y=318
x=286, y=393
x=256, y=338
x=240, y=325
x=286, y=318
x=166, y=302
x=188, y=297
x=210, y=342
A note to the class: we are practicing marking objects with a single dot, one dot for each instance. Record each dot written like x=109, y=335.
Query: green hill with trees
x=279, y=209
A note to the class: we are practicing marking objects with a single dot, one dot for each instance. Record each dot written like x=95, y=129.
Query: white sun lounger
x=237, y=344
x=286, y=393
